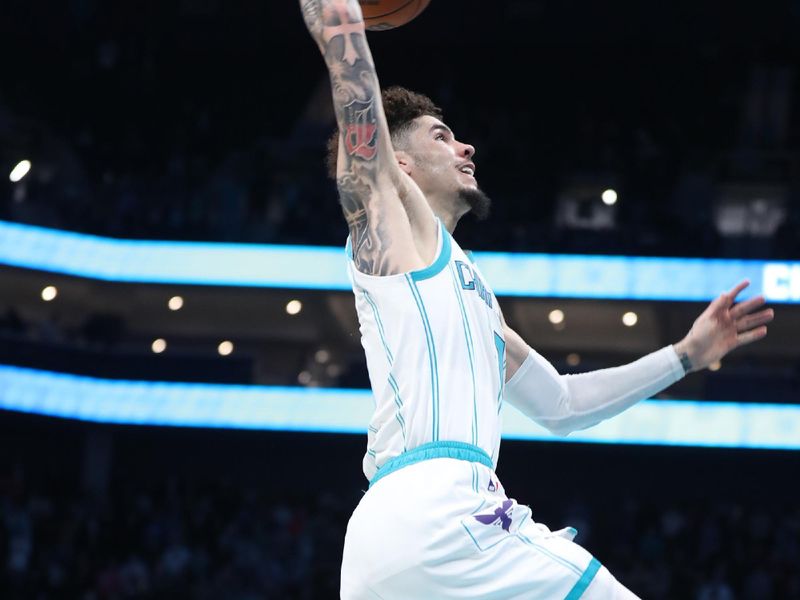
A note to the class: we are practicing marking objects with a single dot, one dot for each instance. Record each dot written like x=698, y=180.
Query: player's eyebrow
x=441, y=127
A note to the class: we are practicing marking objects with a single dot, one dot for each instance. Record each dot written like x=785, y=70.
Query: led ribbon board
x=657, y=422
x=316, y=267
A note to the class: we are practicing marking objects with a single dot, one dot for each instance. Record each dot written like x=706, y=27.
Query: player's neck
x=449, y=220
x=447, y=211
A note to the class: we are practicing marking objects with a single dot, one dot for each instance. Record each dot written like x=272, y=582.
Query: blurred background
x=629, y=129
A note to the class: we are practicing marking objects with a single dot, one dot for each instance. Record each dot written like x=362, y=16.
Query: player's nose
x=468, y=150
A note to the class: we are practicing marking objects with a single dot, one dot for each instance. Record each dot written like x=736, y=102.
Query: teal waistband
x=457, y=450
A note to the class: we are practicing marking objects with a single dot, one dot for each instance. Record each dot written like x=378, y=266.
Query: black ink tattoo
x=340, y=34
x=686, y=363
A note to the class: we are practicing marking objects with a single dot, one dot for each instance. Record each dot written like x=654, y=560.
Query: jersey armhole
x=443, y=253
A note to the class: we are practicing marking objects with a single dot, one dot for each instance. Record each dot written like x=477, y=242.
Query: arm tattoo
x=370, y=252
x=353, y=80
x=339, y=31
x=686, y=363
x=312, y=15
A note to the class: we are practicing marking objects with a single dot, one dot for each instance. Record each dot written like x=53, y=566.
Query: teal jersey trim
x=390, y=359
x=431, y=450
x=583, y=583
x=381, y=331
x=500, y=345
x=399, y=403
x=440, y=262
x=431, y=270
x=434, y=366
x=470, y=354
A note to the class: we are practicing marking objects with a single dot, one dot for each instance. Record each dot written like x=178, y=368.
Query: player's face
x=443, y=169
x=441, y=164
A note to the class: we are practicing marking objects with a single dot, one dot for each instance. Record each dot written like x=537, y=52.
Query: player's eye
x=439, y=136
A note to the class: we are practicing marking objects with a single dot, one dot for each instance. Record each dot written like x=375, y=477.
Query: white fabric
x=565, y=403
x=435, y=355
x=415, y=535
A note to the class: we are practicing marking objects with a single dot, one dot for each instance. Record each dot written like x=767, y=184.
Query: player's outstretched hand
x=724, y=326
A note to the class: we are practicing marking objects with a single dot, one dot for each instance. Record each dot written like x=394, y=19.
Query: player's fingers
x=747, y=306
x=762, y=317
x=731, y=295
x=752, y=335
x=720, y=303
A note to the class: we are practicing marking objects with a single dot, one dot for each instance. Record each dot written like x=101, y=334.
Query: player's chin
x=479, y=203
x=467, y=180
x=466, y=183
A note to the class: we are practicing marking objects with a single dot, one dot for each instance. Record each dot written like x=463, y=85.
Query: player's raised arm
x=565, y=403
x=371, y=185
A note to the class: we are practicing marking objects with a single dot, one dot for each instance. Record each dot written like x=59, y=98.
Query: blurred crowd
x=186, y=121
x=157, y=134
x=168, y=542
x=216, y=540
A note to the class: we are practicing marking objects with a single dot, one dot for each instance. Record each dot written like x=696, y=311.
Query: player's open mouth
x=469, y=169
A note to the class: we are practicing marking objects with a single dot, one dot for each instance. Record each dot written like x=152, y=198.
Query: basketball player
x=436, y=522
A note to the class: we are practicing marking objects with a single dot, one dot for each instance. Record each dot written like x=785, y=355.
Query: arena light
x=294, y=307
x=307, y=267
x=630, y=318
x=49, y=293
x=19, y=171
x=556, y=317
x=609, y=197
x=225, y=348
x=158, y=346
x=175, y=303
x=654, y=422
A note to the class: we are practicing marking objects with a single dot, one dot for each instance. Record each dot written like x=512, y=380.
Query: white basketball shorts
x=444, y=528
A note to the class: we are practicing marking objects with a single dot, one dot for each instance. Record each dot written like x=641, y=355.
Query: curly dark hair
x=401, y=106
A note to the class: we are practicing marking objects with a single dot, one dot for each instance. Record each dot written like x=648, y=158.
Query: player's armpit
x=516, y=350
x=377, y=246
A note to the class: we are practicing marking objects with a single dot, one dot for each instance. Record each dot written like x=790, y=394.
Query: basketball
x=380, y=15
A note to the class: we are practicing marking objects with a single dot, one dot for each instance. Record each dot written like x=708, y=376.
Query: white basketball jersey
x=435, y=353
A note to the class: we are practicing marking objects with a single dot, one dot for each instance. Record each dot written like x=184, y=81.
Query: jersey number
x=500, y=344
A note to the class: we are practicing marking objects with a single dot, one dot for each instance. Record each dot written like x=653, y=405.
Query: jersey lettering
x=471, y=281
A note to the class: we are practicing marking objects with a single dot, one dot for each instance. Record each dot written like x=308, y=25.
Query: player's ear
x=404, y=160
